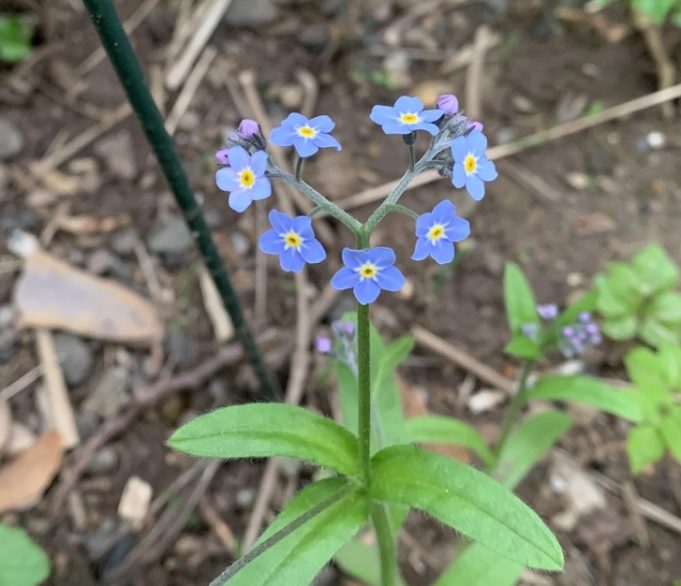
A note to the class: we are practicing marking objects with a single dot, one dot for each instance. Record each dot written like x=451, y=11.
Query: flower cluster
x=457, y=150
x=576, y=338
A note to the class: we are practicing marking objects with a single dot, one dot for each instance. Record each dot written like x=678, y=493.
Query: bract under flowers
x=366, y=272
x=244, y=179
x=307, y=136
x=437, y=231
x=471, y=165
x=293, y=240
x=406, y=116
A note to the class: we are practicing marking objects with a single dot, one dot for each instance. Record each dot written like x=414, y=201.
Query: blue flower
x=306, y=135
x=406, y=116
x=244, y=178
x=293, y=240
x=437, y=231
x=366, y=272
x=471, y=165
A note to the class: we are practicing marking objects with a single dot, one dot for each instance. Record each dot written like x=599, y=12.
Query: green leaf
x=625, y=284
x=262, y=430
x=522, y=347
x=621, y=328
x=347, y=395
x=521, y=307
x=323, y=516
x=438, y=429
x=467, y=500
x=670, y=429
x=15, y=38
x=666, y=307
x=477, y=565
x=586, y=302
x=644, y=447
x=587, y=390
x=669, y=357
x=657, y=333
x=645, y=370
x=360, y=560
x=22, y=562
x=528, y=443
x=656, y=271
x=608, y=302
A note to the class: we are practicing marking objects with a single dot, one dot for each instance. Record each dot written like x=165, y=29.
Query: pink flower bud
x=222, y=157
x=448, y=104
x=248, y=128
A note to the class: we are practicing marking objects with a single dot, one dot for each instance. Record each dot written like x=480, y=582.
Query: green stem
x=299, y=167
x=412, y=157
x=386, y=544
x=120, y=52
x=364, y=393
x=517, y=403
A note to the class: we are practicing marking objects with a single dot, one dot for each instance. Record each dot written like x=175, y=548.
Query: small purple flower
x=366, y=272
x=448, y=104
x=406, y=116
x=577, y=337
x=343, y=329
x=585, y=317
x=529, y=331
x=548, y=311
x=471, y=165
x=293, y=240
x=222, y=157
x=248, y=128
x=437, y=231
x=323, y=345
x=244, y=178
x=475, y=126
x=306, y=135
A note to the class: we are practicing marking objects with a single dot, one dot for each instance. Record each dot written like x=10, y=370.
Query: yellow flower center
x=292, y=239
x=368, y=271
x=436, y=232
x=470, y=163
x=409, y=118
x=247, y=178
x=307, y=131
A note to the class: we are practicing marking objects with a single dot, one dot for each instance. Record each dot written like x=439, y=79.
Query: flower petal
x=305, y=147
x=312, y=251
x=383, y=114
x=421, y=249
x=442, y=252
x=354, y=258
x=431, y=115
x=294, y=120
x=344, y=278
x=390, y=279
x=395, y=127
x=408, y=104
x=424, y=223
x=427, y=127
x=226, y=179
x=259, y=163
x=326, y=141
x=444, y=211
x=239, y=200
x=303, y=226
x=238, y=158
x=322, y=123
x=271, y=243
x=477, y=141
x=475, y=187
x=459, y=148
x=291, y=261
x=458, y=230
x=366, y=291
x=382, y=256
x=486, y=170
x=458, y=175
x=282, y=137
x=280, y=221
x=261, y=189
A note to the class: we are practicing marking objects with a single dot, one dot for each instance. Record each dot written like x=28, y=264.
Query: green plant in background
x=22, y=562
x=640, y=298
x=16, y=33
x=656, y=11
x=657, y=391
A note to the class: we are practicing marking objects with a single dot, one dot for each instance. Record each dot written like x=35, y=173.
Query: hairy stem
x=122, y=56
x=364, y=393
x=386, y=544
x=517, y=403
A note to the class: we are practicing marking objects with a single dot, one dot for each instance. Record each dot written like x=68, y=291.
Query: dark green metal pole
x=122, y=56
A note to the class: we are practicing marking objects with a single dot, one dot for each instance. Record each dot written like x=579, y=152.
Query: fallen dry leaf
x=52, y=294
x=24, y=479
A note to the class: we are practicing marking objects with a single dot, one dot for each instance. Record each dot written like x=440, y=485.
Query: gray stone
x=315, y=37
x=97, y=542
x=181, y=347
x=76, y=358
x=104, y=461
x=119, y=153
x=172, y=237
x=123, y=242
x=102, y=262
x=110, y=394
x=251, y=13
x=245, y=498
x=11, y=139
x=8, y=345
x=7, y=316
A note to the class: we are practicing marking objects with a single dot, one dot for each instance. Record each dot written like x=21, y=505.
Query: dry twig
x=474, y=74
